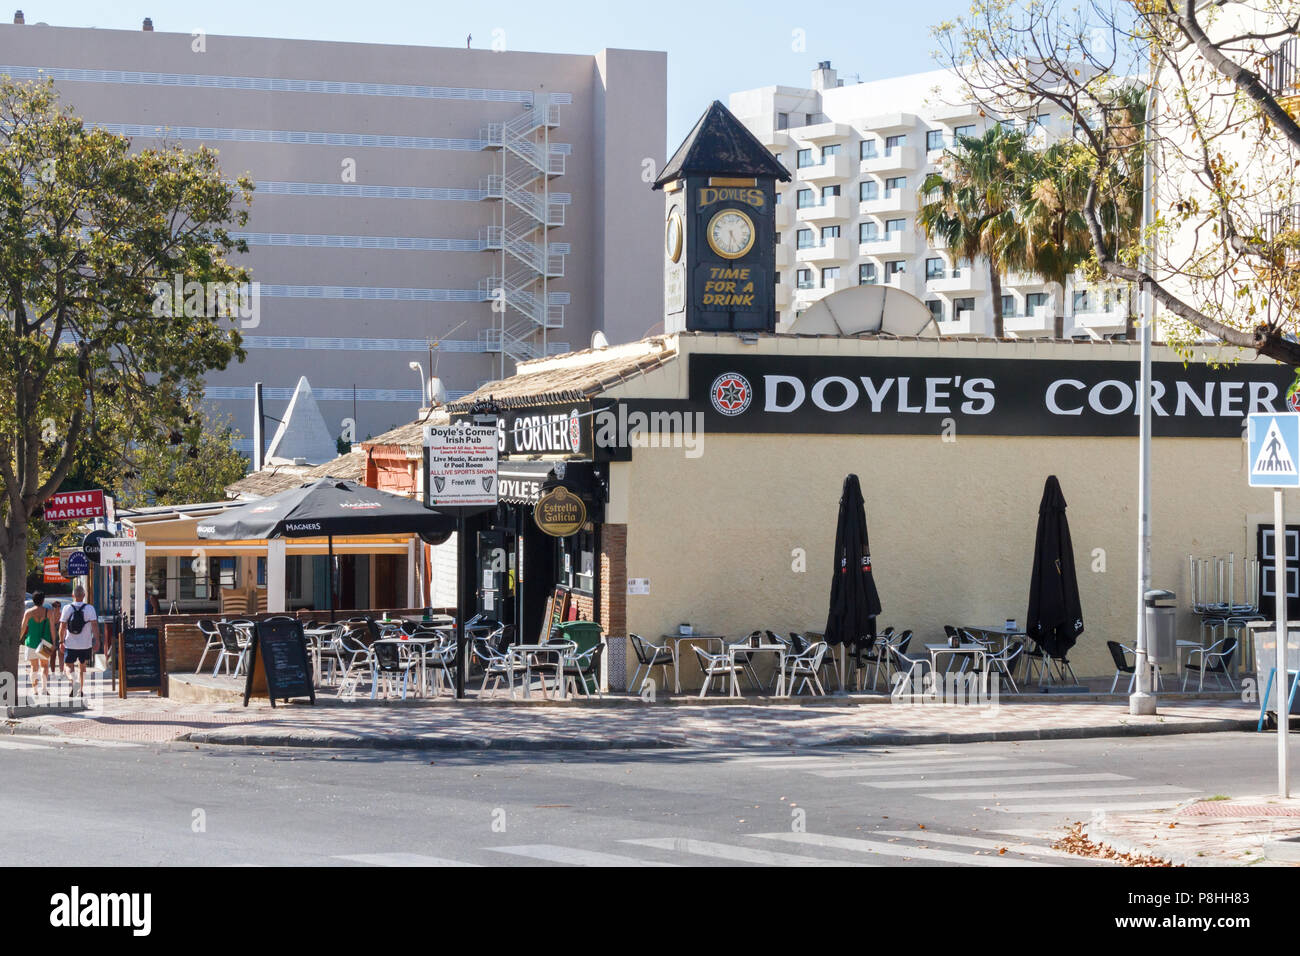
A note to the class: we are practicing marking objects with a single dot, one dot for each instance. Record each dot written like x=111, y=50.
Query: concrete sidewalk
x=627, y=724
x=1221, y=831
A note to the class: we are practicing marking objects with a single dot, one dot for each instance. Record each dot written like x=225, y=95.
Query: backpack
x=77, y=619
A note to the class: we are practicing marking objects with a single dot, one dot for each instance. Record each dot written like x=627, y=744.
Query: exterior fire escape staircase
x=523, y=308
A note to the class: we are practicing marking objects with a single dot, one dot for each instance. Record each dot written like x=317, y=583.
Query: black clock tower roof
x=721, y=145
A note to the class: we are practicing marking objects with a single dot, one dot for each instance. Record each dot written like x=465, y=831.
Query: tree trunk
x=995, y=289
x=13, y=580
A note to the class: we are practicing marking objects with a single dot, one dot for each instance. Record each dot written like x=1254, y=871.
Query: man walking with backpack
x=80, y=629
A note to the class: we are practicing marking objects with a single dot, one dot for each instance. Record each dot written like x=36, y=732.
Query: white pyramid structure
x=303, y=433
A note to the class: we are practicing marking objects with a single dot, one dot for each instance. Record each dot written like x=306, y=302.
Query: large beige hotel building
x=492, y=203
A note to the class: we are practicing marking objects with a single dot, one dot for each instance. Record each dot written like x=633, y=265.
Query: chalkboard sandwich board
x=278, y=662
x=141, y=661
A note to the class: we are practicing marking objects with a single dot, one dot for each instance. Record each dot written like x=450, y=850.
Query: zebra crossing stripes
x=737, y=854
x=1018, y=845
x=399, y=859
x=929, y=766
x=1019, y=792
x=552, y=853
x=53, y=743
x=885, y=848
x=957, y=782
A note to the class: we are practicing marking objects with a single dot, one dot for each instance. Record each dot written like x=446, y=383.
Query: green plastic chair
x=585, y=634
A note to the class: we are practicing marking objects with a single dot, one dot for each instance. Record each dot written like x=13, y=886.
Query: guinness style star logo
x=731, y=393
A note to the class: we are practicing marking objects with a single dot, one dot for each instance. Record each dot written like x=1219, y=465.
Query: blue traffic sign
x=1274, y=443
x=78, y=564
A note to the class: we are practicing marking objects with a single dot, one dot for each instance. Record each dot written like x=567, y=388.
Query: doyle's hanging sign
x=461, y=466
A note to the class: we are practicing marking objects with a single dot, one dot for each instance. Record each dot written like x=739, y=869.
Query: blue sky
x=713, y=47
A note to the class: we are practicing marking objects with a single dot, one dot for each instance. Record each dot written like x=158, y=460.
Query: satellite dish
x=437, y=392
x=866, y=310
x=598, y=340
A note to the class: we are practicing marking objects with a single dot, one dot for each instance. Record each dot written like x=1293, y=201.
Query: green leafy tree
x=89, y=230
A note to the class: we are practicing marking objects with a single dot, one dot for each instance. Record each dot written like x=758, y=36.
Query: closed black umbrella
x=854, y=600
x=324, y=508
x=1055, y=618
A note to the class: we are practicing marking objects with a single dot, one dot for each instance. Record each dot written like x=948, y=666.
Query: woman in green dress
x=38, y=642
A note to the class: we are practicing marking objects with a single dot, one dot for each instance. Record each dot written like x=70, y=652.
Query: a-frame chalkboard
x=279, y=665
x=141, y=661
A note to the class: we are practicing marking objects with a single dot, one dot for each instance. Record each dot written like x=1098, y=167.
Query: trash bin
x=1161, y=646
x=585, y=634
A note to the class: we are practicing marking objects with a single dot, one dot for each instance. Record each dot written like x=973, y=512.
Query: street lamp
x=424, y=390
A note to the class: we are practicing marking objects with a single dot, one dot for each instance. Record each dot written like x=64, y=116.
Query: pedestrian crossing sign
x=1274, y=443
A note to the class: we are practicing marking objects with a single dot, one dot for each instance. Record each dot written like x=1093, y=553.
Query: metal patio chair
x=649, y=656
x=717, y=665
x=212, y=636
x=1215, y=659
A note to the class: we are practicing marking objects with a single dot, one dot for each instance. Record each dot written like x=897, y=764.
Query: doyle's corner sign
x=1274, y=443
x=461, y=466
x=559, y=512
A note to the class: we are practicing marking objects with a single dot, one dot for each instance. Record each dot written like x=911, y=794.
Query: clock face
x=731, y=233
x=673, y=236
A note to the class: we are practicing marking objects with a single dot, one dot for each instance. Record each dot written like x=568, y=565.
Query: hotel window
x=868, y=232
x=1033, y=300
x=895, y=267
x=934, y=268
x=803, y=239
x=936, y=309
x=964, y=131
x=809, y=119
x=829, y=151
x=776, y=278
x=894, y=142
x=867, y=149
x=894, y=184
x=776, y=239
x=830, y=232
x=576, y=561
x=1008, y=125
x=962, y=305
x=934, y=140
x=829, y=275
x=1081, y=302
x=829, y=192
x=1009, y=306
x=1033, y=123
x=803, y=158
x=867, y=273
x=804, y=199
x=778, y=195
x=782, y=120
x=803, y=279
x=894, y=226
x=868, y=190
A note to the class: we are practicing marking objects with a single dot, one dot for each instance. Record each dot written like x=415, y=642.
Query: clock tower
x=720, y=229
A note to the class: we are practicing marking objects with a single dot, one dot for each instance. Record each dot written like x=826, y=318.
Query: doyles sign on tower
x=720, y=229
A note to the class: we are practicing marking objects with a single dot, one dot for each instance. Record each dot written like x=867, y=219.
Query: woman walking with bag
x=38, y=642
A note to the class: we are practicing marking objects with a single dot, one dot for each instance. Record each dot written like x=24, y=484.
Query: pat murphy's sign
x=912, y=396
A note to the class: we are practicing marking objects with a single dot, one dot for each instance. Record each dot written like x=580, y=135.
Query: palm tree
x=969, y=205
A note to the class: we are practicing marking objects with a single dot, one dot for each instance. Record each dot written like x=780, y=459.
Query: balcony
x=783, y=257
x=784, y=213
x=806, y=297
x=900, y=200
x=833, y=207
x=828, y=250
x=1038, y=321
x=782, y=295
x=964, y=323
x=832, y=167
x=890, y=123
x=892, y=246
x=771, y=137
x=820, y=132
x=965, y=281
x=957, y=114
x=1103, y=321
x=896, y=159
x=904, y=282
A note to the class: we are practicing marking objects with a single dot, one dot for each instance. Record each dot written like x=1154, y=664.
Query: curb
x=329, y=740
x=1098, y=834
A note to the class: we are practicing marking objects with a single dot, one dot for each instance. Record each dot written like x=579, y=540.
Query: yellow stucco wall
x=951, y=524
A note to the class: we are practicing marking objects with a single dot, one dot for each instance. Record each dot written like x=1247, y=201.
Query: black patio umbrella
x=324, y=508
x=1055, y=618
x=854, y=600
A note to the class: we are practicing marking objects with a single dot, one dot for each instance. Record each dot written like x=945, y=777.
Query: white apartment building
x=487, y=204
x=859, y=153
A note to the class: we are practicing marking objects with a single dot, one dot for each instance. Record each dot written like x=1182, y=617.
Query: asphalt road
x=68, y=803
